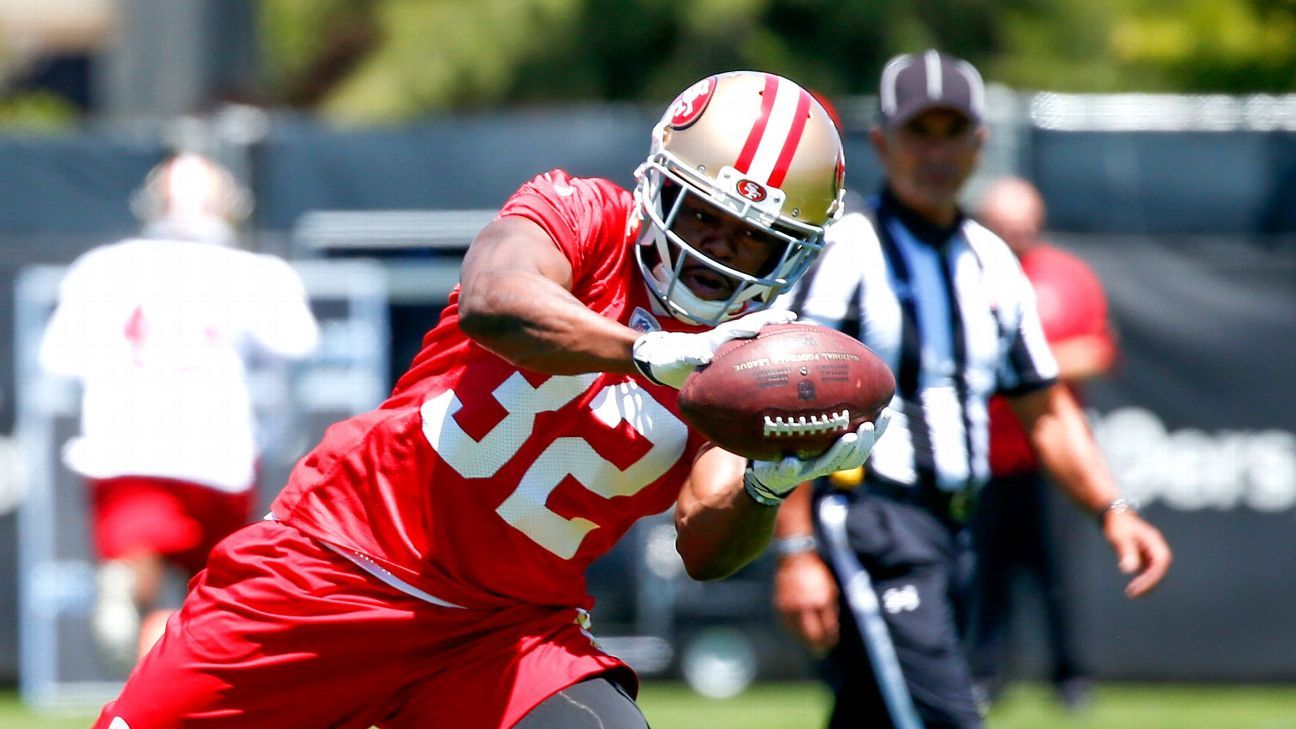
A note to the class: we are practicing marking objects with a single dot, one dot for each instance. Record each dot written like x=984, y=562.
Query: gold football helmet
x=751, y=145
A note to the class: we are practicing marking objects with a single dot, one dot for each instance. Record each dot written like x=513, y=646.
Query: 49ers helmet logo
x=690, y=104
x=753, y=191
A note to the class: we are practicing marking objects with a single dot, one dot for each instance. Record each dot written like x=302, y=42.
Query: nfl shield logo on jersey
x=642, y=321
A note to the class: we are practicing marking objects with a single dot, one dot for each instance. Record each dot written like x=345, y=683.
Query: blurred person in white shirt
x=156, y=329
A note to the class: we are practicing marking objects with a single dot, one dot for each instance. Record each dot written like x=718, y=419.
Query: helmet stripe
x=780, y=131
x=799, y=120
x=757, y=132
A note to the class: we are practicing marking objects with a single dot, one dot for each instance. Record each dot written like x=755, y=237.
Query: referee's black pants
x=920, y=567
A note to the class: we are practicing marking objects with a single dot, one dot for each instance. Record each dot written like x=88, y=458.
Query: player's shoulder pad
x=562, y=184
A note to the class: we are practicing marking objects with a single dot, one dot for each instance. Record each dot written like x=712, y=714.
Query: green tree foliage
x=1208, y=45
x=372, y=60
x=37, y=112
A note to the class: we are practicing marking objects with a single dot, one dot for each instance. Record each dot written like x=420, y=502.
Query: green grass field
x=804, y=705
x=1115, y=706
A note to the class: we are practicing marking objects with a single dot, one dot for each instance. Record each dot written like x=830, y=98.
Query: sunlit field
x=797, y=705
x=1115, y=706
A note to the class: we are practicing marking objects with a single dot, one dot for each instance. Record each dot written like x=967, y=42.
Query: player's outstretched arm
x=515, y=299
x=1067, y=449
x=719, y=527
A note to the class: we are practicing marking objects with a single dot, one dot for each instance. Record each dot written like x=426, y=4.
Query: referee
x=871, y=570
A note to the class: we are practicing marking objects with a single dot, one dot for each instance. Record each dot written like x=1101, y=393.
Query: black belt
x=955, y=506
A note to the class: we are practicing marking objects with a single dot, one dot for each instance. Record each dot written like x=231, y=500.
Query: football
x=791, y=390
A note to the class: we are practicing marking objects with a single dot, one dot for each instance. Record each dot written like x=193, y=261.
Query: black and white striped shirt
x=953, y=315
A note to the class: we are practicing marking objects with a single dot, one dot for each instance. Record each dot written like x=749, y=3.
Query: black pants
x=1011, y=535
x=595, y=703
x=918, y=569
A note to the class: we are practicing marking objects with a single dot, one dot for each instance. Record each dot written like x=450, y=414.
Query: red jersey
x=483, y=483
x=1071, y=303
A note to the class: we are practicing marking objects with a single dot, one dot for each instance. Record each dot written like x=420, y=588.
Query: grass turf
x=1115, y=706
x=805, y=705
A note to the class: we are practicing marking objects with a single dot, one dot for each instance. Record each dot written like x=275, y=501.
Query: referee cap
x=916, y=82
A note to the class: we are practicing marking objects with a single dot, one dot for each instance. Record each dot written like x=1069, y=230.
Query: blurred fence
x=1185, y=206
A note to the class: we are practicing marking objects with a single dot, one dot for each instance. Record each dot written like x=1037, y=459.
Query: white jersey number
x=525, y=509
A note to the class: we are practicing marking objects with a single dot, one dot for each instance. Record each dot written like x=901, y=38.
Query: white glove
x=769, y=482
x=668, y=358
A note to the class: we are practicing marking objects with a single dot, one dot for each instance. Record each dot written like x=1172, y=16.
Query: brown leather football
x=792, y=390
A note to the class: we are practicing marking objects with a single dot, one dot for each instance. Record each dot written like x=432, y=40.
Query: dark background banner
x=1198, y=424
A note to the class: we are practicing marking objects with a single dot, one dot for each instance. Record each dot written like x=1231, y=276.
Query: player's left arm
x=1066, y=446
x=719, y=526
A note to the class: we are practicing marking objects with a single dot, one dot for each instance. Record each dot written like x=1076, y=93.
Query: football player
x=425, y=564
x=155, y=328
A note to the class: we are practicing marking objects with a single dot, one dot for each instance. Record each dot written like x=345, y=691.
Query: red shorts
x=280, y=631
x=180, y=520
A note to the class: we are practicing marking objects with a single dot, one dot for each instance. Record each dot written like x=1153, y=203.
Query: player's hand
x=668, y=358
x=1140, y=550
x=805, y=597
x=770, y=481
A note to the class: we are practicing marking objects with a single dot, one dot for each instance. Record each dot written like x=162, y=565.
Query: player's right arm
x=805, y=594
x=515, y=299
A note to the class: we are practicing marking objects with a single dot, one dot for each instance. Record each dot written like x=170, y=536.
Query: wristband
x=1118, y=505
x=795, y=544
